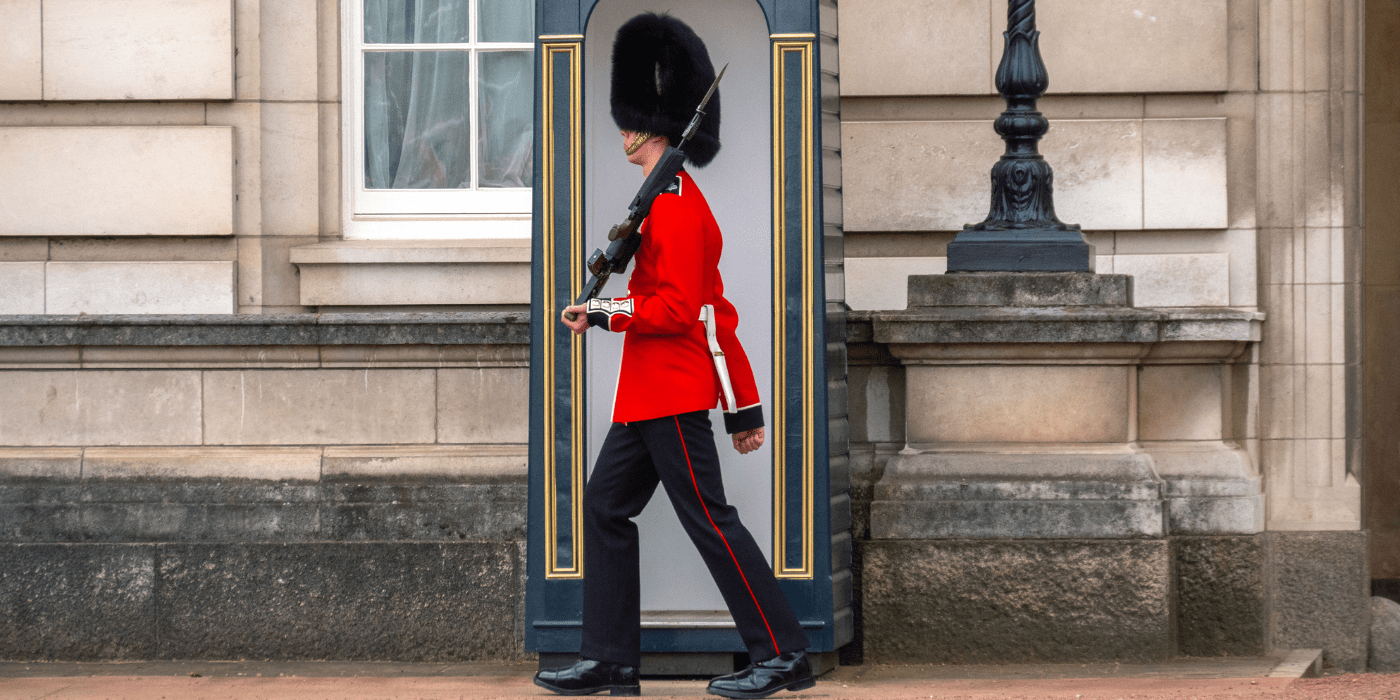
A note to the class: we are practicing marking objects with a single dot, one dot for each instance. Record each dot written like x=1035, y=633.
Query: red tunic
x=667, y=368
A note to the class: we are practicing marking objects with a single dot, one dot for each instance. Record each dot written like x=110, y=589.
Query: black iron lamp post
x=1021, y=234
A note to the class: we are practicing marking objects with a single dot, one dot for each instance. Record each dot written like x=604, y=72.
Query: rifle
x=625, y=239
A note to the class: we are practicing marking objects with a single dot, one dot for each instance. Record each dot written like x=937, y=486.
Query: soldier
x=669, y=380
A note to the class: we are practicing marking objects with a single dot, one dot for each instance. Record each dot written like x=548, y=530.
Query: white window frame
x=417, y=214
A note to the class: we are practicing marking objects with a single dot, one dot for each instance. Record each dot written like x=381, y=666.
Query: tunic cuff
x=744, y=419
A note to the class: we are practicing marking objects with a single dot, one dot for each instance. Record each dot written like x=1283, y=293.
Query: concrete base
x=1000, y=601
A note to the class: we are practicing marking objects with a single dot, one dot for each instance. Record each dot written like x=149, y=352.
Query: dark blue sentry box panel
x=802, y=512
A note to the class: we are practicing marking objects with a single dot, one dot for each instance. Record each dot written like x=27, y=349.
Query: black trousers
x=678, y=452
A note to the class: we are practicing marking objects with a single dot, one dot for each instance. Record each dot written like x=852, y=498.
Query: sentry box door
x=766, y=192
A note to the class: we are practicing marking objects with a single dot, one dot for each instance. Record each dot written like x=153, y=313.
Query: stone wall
x=295, y=487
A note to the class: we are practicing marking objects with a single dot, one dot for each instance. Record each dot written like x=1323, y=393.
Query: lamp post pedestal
x=1021, y=232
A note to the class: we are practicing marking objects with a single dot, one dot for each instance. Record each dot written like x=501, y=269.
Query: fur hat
x=660, y=72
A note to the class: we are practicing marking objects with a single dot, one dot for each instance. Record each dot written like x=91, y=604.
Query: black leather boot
x=787, y=672
x=587, y=677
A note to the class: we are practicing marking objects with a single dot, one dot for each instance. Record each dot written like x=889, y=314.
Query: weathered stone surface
x=1385, y=636
x=425, y=513
x=1060, y=325
x=461, y=328
x=77, y=602
x=1320, y=594
x=959, y=601
x=403, y=602
x=1220, y=596
x=473, y=507
x=1021, y=289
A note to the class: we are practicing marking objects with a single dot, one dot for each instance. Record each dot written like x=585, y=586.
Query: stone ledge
x=455, y=328
x=382, y=252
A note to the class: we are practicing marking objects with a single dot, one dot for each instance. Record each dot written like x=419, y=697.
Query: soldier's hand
x=580, y=322
x=748, y=440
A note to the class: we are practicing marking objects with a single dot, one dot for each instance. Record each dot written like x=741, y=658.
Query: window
x=438, y=118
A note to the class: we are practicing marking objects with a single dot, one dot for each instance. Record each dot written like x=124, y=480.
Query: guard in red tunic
x=680, y=359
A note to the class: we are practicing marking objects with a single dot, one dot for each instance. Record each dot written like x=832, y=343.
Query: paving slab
x=1180, y=679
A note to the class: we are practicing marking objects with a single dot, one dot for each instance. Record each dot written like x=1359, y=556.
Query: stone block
x=79, y=602
x=1181, y=402
x=887, y=46
x=932, y=175
x=1032, y=404
x=963, y=601
x=277, y=464
x=117, y=181
x=1320, y=594
x=1152, y=46
x=135, y=407
x=366, y=601
x=287, y=43
x=21, y=288
x=1221, y=602
x=1177, y=280
x=290, y=189
x=308, y=407
x=375, y=273
x=140, y=288
x=1184, y=175
x=21, y=61
x=1384, y=655
x=1098, y=172
x=483, y=405
x=940, y=185
x=138, y=50
x=49, y=463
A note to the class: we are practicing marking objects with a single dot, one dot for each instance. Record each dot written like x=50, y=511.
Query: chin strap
x=637, y=142
x=707, y=316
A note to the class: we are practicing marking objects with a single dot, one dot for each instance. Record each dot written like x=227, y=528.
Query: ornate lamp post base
x=1021, y=233
x=1020, y=251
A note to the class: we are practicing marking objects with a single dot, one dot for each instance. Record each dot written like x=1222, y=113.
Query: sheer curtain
x=418, y=130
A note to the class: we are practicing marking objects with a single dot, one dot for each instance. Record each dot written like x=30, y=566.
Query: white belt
x=707, y=316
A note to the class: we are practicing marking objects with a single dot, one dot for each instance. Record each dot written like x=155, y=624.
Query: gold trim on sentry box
x=553, y=568
x=781, y=487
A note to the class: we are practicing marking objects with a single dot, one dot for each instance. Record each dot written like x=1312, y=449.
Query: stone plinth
x=1029, y=400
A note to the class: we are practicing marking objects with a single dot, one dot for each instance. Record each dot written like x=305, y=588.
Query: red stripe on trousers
x=722, y=537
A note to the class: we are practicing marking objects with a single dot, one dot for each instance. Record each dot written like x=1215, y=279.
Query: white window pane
x=507, y=20
x=505, y=111
x=417, y=120
x=417, y=21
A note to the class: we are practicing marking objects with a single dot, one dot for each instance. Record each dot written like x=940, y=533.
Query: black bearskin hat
x=660, y=72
